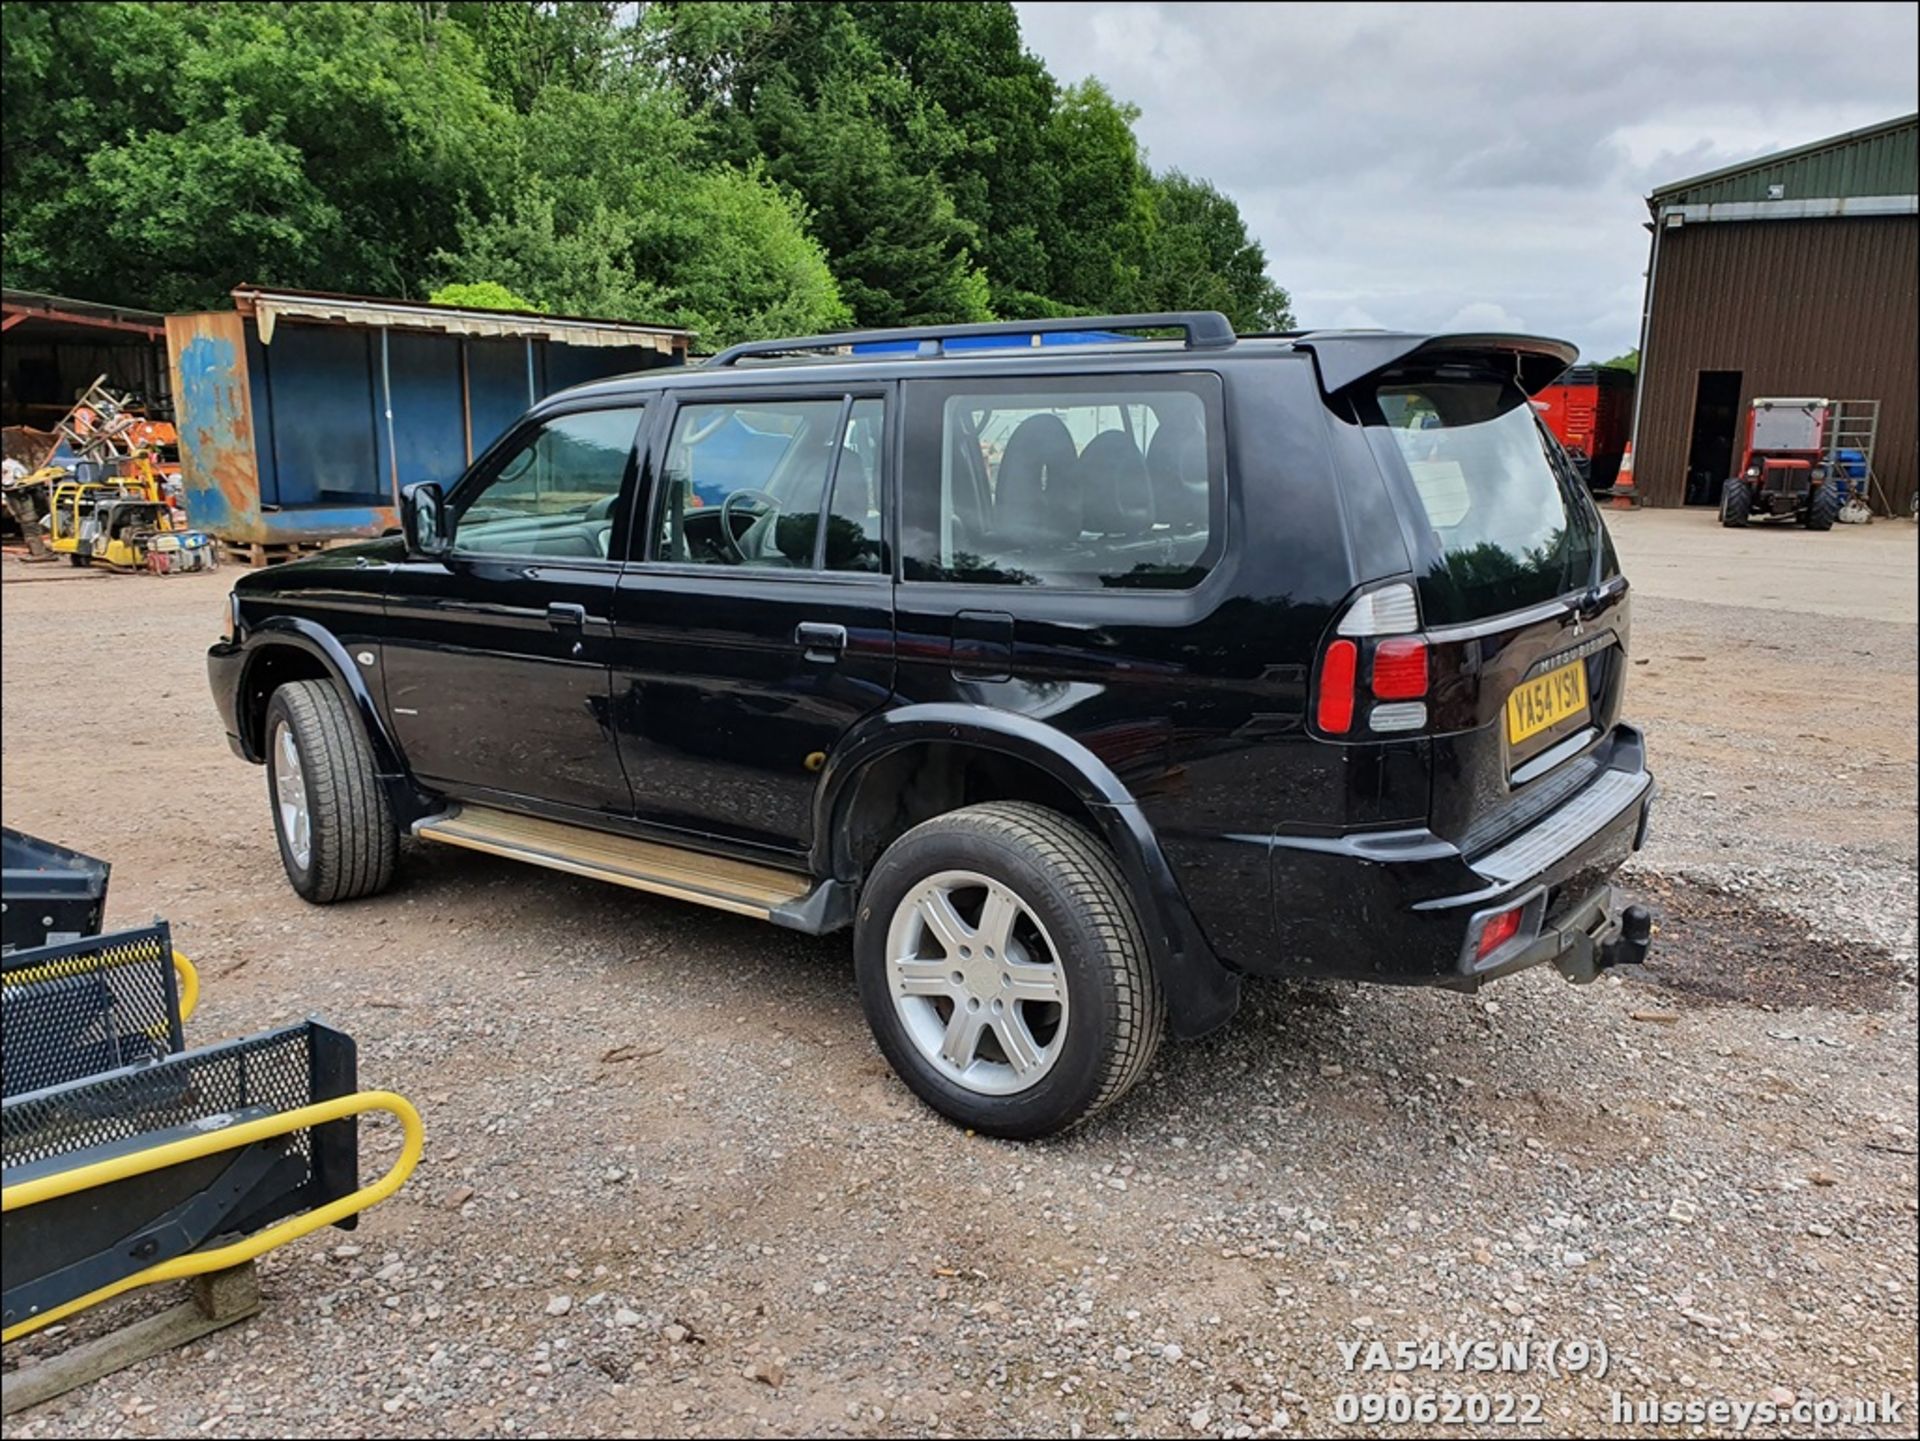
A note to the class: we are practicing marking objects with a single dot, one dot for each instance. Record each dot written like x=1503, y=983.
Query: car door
x=756, y=624
x=496, y=668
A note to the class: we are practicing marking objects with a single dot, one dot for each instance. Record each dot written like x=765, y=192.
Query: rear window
x=1508, y=526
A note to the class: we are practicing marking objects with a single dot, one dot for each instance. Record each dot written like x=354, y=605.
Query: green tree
x=1629, y=361
x=740, y=166
x=1096, y=235
x=479, y=295
x=526, y=48
x=615, y=213
x=987, y=99
x=810, y=93
x=1200, y=257
x=189, y=148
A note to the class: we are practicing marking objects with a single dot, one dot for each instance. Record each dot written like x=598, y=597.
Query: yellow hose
x=196, y=1263
x=184, y=970
x=189, y=984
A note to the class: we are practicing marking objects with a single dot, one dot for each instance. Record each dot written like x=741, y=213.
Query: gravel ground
x=670, y=1187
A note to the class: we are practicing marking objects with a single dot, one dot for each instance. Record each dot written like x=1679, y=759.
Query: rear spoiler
x=1345, y=359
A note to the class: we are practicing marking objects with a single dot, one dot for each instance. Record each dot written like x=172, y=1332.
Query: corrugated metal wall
x=1879, y=163
x=289, y=441
x=1799, y=307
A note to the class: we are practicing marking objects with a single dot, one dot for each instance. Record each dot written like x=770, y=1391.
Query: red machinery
x=1784, y=468
x=1590, y=409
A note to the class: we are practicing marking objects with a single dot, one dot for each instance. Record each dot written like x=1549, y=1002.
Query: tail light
x=1337, y=668
x=1376, y=644
x=1400, y=668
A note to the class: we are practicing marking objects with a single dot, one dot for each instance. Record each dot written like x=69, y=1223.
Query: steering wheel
x=769, y=514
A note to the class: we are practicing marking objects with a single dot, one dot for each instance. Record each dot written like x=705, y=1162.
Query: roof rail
x=1205, y=330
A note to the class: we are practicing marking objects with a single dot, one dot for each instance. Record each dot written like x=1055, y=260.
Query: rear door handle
x=562, y=615
x=820, y=642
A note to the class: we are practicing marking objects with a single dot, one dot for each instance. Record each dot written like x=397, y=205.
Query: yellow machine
x=111, y=498
x=105, y=522
x=125, y=524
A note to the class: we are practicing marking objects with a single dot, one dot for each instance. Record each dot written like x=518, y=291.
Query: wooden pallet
x=219, y=1299
x=256, y=555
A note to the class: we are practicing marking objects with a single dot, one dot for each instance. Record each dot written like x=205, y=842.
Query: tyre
x=330, y=815
x=1823, y=507
x=1736, y=503
x=1003, y=970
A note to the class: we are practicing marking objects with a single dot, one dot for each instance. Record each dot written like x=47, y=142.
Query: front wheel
x=1736, y=503
x=1003, y=970
x=1823, y=507
x=336, y=832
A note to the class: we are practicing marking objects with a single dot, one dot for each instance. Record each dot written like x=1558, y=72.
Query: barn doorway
x=1710, y=452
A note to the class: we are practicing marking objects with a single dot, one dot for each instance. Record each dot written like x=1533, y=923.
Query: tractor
x=1785, y=472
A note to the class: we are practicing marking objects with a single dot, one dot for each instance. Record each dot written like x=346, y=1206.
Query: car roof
x=1342, y=357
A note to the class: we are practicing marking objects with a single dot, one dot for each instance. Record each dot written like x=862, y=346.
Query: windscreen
x=1509, y=526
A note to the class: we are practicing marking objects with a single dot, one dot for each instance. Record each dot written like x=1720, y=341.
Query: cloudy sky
x=1475, y=166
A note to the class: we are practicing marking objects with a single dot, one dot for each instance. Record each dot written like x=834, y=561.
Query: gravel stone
x=1727, y=1199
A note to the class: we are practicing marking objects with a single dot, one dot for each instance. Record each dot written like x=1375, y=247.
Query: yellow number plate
x=1546, y=700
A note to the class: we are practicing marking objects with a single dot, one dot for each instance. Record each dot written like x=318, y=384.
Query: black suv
x=1081, y=680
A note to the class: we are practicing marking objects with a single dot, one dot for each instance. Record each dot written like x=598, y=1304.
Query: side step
x=728, y=885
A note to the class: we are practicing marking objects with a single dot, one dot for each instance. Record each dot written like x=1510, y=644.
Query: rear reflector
x=1497, y=932
x=1337, y=668
x=1390, y=610
x=1404, y=715
x=1400, y=669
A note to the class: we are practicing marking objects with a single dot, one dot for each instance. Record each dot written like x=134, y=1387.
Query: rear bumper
x=1407, y=907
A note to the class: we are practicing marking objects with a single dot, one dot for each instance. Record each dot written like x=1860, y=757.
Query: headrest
x=1177, y=466
x=1113, y=477
x=1037, y=494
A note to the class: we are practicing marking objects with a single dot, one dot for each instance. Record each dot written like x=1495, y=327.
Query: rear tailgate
x=1520, y=597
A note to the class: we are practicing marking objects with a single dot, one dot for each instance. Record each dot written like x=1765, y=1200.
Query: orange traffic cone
x=1624, y=496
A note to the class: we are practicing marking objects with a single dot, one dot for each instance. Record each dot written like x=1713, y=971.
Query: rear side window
x=1079, y=483
x=1508, y=529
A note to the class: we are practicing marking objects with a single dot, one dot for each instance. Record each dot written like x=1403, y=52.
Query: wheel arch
x=289, y=648
x=900, y=767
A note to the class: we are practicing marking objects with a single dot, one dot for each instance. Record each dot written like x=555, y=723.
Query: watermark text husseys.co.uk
x=1883, y=1410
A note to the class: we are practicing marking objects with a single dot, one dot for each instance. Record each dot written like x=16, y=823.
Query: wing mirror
x=423, y=519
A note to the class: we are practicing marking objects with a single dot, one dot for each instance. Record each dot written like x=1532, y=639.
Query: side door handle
x=820, y=642
x=563, y=615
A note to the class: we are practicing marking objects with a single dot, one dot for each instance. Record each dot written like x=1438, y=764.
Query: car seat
x=1113, y=477
x=1037, y=501
x=1177, y=470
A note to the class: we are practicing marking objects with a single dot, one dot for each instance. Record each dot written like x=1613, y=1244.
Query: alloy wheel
x=977, y=983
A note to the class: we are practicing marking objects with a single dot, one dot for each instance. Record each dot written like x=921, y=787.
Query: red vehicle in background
x=1590, y=410
x=1789, y=469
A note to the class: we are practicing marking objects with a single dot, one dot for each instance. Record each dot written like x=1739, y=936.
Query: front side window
x=1079, y=483
x=554, y=496
x=749, y=483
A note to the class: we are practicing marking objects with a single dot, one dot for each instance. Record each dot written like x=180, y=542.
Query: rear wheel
x=1823, y=507
x=337, y=838
x=1003, y=971
x=1736, y=503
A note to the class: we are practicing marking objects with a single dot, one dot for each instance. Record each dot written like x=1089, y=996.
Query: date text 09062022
x=1437, y=1408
